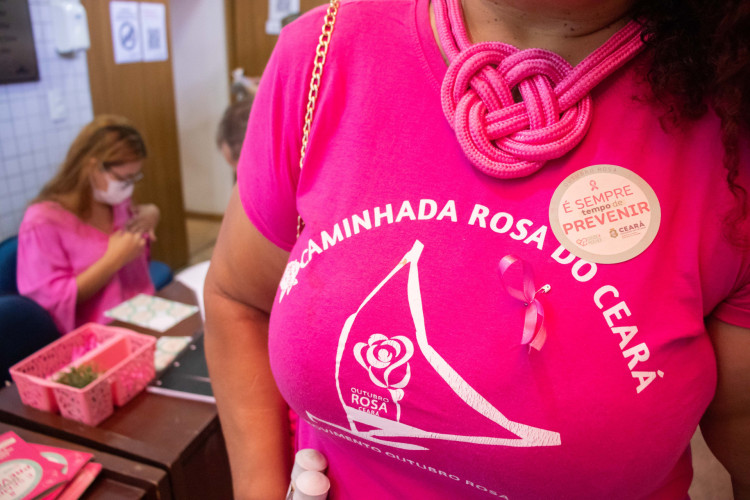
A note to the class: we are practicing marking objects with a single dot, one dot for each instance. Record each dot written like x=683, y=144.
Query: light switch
x=58, y=110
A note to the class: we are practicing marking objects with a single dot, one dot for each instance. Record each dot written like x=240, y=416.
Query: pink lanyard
x=506, y=139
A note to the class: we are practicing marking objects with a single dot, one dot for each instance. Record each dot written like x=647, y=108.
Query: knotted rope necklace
x=504, y=138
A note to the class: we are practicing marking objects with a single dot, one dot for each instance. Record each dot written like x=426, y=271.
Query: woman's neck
x=101, y=216
x=571, y=28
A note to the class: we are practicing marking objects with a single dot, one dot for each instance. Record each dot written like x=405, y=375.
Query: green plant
x=78, y=377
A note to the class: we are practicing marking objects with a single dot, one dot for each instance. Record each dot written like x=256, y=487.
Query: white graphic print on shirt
x=376, y=414
x=614, y=309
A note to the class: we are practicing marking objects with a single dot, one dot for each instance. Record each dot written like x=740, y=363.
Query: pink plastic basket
x=125, y=357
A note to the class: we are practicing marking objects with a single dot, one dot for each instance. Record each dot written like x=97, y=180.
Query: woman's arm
x=726, y=424
x=239, y=292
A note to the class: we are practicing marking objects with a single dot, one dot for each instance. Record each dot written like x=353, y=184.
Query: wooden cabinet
x=144, y=93
x=248, y=45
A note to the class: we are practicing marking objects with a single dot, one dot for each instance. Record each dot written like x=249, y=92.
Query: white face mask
x=116, y=193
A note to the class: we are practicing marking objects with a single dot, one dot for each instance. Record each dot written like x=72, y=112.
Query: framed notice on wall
x=277, y=11
x=18, y=61
x=139, y=31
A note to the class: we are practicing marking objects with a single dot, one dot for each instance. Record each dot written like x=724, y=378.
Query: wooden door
x=248, y=44
x=144, y=93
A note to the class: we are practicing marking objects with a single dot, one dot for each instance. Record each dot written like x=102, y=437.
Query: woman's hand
x=144, y=221
x=123, y=247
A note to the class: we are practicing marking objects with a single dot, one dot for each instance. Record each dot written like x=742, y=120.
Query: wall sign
x=18, y=61
x=277, y=11
x=154, y=31
x=126, y=32
x=139, y=31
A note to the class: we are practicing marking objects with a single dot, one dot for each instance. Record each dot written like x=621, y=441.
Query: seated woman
x=82, y=246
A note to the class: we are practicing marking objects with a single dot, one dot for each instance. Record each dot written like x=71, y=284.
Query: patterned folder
x=151, y=312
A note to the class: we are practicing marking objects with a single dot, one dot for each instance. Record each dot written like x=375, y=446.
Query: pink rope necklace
x=504, y=138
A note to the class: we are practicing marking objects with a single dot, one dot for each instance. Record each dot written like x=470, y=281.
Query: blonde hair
x=110, y=140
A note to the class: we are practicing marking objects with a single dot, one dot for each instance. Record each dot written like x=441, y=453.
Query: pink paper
x=24, y=473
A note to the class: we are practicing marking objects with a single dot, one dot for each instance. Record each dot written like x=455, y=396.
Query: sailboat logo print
x=375, y=375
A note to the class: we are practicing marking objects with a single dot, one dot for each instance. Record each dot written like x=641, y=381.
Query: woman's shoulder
x=363, y=28
x=356, y=8
x=355, y=17
x=47, y=214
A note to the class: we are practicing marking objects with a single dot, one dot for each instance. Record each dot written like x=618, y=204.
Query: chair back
x=8, y=256
x=161, y=274
x=26, y=328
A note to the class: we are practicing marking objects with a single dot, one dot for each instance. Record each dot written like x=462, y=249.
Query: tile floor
x=710, y=480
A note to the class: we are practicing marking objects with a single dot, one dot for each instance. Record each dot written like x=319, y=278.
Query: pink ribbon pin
x=534, y=331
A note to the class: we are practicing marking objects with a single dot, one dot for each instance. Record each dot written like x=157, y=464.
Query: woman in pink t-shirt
x=82, y=246
x=522, y=272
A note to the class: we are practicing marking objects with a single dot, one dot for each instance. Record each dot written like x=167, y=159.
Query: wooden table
x=119, y=479
x=179, y=436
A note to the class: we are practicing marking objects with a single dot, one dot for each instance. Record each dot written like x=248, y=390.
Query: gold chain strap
x=312, y=97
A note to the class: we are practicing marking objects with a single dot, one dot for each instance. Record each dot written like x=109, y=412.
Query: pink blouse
x=55, y=246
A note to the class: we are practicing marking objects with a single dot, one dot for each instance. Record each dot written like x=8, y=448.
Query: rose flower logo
x=387, y=362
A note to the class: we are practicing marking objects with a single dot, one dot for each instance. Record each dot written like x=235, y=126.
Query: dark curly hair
x=700, y=59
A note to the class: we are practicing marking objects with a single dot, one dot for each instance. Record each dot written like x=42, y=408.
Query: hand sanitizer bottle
x=306, y=459
x=311, y=485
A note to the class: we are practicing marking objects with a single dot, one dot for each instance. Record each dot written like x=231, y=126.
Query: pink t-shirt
x=55, y=246
x=392, y=334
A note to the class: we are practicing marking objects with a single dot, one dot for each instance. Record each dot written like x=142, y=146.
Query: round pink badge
x=605, y=214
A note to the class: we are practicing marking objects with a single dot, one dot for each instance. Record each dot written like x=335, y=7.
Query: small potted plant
x=78, y=376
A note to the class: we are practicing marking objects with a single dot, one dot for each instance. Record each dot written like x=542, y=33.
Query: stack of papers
x=167, y=349
x=33, y=471
x=187, y=377
x=154, y=313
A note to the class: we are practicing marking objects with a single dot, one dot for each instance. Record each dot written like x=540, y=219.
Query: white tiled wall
x=32, y=145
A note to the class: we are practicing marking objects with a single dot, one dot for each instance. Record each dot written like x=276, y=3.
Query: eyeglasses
x=128, y=181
